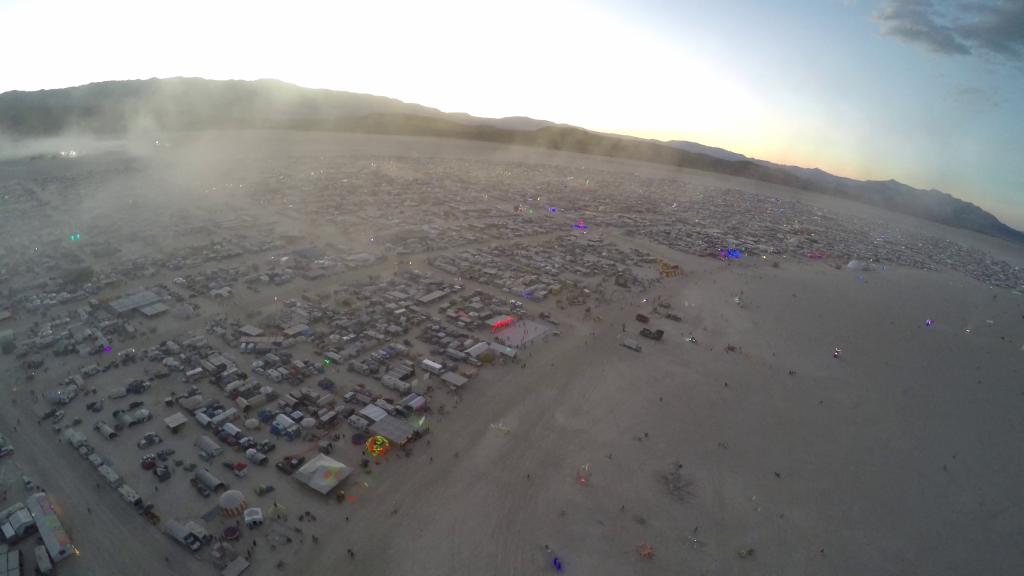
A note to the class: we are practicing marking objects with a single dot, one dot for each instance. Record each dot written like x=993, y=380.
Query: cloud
x=974, y=27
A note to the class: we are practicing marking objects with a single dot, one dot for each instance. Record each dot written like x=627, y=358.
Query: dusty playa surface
x=896, y=458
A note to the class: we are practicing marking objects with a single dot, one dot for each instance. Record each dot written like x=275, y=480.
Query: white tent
x=322, y=473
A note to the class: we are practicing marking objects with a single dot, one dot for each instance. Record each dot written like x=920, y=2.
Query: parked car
x=289, y=465
x=148, y=462
x=163, y=455
x=150, y=439
x=162, y=472
x=652, y=334
x=256, y=456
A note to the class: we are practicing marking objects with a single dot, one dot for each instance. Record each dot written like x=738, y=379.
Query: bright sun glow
x=562, y=61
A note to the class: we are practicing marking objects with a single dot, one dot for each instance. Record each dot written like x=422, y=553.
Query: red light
x=506, y=321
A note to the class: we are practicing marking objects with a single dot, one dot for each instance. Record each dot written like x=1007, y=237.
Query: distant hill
x=709, y=150
x=181, y=104
x=508, y=123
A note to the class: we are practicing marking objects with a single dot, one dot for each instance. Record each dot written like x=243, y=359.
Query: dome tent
x=232, y=504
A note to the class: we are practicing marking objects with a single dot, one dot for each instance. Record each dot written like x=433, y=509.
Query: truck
x=130, y=496
x=200, y=532
x=652, y=334
x=632, y=345
x=181, y=534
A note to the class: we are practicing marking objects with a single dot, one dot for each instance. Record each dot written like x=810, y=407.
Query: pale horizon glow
x=649, y=69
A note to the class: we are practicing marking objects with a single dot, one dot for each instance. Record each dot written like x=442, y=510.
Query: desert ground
x=736, y=445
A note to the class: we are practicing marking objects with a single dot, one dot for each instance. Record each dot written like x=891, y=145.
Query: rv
x=110, y=475
x=432, y=367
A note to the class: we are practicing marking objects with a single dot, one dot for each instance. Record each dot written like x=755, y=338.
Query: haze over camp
x=444, y=289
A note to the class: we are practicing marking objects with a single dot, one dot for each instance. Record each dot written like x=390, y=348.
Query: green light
x=327, y=362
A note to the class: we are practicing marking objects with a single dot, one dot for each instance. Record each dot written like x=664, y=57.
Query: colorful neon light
x=378, y=445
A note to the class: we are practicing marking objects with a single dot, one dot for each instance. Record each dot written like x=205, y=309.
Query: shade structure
x=232, y=504
x=322, y=473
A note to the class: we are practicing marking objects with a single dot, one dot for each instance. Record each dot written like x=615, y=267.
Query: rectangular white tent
x=175, y=421
x=322, y=473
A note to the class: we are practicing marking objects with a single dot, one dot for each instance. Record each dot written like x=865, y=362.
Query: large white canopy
x=322, y=473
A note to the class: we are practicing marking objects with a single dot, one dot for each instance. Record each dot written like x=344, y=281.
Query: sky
x=928, y=93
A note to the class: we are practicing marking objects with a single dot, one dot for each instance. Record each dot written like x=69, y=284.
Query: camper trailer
x=208, y=448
